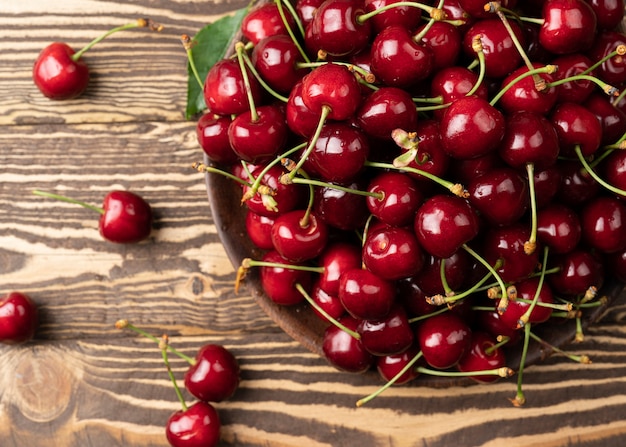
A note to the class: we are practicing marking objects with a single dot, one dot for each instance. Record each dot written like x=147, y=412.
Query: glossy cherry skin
x=275, y=59
x=452, y=83
x=471, y=127
x=507, y=244
x=613, y=70
x=385, y=110
x=614, y=170
x=224, y=89
x=578, y=271
x=279, y=283
x=296, y=239
x=337, y=258
x=57, y=75
x=334, y=86
x=569, y=26
x=212, y=134
x=443, y=339
x=400, y=201
x=456, y=271
x=527, y=290
x=259, y=229
x=215, y=375
x=603, y=222
x=431, y=157
x=405, y=16
x=335, y=28
x=397, y=60
x=301, y=120
x=365, y=295
x=576, y=186
x=523, y=94
x=286, y=197
x=261, y=138
x=558, y=227
x=500, y=196
x=479, y=357
x=127, y=218
x=612, y=119
x=19, y=318
x=444, y=223
x=476, y=8
x=263, y=21
x=198, y=426
x=331, y=304
x=393, y=253
x=576, y=126
x=571, y=65
x=609, y=13
x=390, y=335
x=305, y=9
x=343, y=351
x=389, y=366
x=444, y=39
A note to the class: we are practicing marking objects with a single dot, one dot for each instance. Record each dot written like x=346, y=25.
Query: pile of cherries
x=435, y=178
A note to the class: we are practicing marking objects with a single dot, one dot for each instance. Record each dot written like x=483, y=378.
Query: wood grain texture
x=83, y=383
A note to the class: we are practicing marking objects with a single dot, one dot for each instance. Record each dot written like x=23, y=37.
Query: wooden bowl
x=301, y=323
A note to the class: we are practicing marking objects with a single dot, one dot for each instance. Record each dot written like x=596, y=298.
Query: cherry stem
x=531, y=244
x=455, y=188
x=326, y=315
x=579, y=337
x=606, y=88
x=368, y=77
x=523, y=320
x=51, y=195
x=322, y=184
x=584, y=359
x=595, y=176
x=428, y=315
x=619, y=51
x=240, y=48
x=501, y=372
x=520, y=399
x=492, y=270
x=438, y=300
x=202, y=167
x=390, y=382
x=188, y=45
x=139, y=23
x=435, y=16
x=436, y=13
x=294, y=15
x=477, y=46
x=163, y=345
x=503, y=340
x=259, y=78
x=124, y=324
x=549, y=69
x=248, y=263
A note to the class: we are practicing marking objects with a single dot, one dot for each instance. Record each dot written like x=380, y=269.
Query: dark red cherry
x=476, y=8
x=471, y=127
x=443, y=339
x=413, y=297
x=444, y=223
x=603, y=222
x=212, y=134
x=456, y=271
x=19, y=318
x=261, y=137
x=612, y=119
x=392, y=253
x=259, y=229
x=333, y=86
x=525, y=95
x=490, y=322
x=401, y=15
x=444, y=39
x=577, y=185
x=547, y=184
x=224, y=89
x=341, y=209
x=614, y=169
x=482, y=354
x=331, y=304
x=569, y=26
x=609, y=13
x=571, y=65
x=198, y=426
x=127, y=218
x=343, y=351
x=385, y=110
x=365, y=295
x=400, y=199
x=276, y=58
x=279, y=282
x=389, y=366
x=578, y=271
x=337, y=258
x=299, y=235
x=612, y=70
x=57, y=75
x=527, y=290
x=576, y=126
x=452, y=83
x=263, y=21
x=214, y=377
x=280, y=198
x=506, y=244
x=558, y=227
x=390, y=335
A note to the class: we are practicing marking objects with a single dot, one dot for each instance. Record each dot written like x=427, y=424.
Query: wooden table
x=84, y=383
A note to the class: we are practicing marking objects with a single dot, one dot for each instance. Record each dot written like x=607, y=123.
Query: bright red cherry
x=569, y=26
x=390, y=335
x=603, y=223
x=225, y=91
x=482, y=355
x=443, y=339
x=393, y=253
x=264, y=20
x=279, y=282
x=365, y=295
x=214, y=376
x=344, y=351
x=126, y=218
x=333, y=86
x=197, y=426
x=212, y=134
x=299, y=235
x=59, y=75
x=18, y=318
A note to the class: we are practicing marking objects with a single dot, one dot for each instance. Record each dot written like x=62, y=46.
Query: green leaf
x=211, y=44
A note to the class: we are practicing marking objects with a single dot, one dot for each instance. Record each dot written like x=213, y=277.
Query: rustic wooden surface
x=83, y=383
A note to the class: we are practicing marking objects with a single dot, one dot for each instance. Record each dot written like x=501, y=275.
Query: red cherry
x=212, y=134
x=558, y=227
x=18, y=318
x=259, y=229
x=344, y=351
x=576, y=126
x=392, y=253
x=259, y=138
x=603, y=223
x=569, y=26
x=526, y=290
x=443, y=339
x=389, y=366
x=299, y=235
x=198, y=426
x=224, y=89
x=365, y=295
x=214, y=376
x=337, y=258
x=264, y=20
x=57, y=75
x=390, y=335
x=482, y=355
x=127, y=218
x=333, y=86
x=279, y=283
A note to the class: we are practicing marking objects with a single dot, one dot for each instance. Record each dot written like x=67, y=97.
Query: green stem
x=595, y=176
x=240, y=48
x=51, y=195
x=501, y=372
x=492, y=270
x=188, y=45
x=122, y=324
x=259, y=78
x=279, y=5
x=247, y=263
x=520, y=399
x=164, y=347
x=549, y=69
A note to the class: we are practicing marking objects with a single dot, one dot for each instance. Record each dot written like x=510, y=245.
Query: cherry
x=60, y=73
x=263, y=21
x=603, y=223
x=576, y=126
x=506, y=244
x=18, y=318
x=471, y=127
x=444, y=223
x=337, y=258
x=344, y=351
x=482, y=354
x=614, y=169
x=414, y=299
x=569, y=26
x=525, y=95
x=283, y=197
x=365, y=295
x=613, y=69
x=527, y=290
x=578, y=271
x=279, y=281
x=305, y=9
x=443, y=339
x=339, y=208
x=259, y=229
x=389, y=366
x=225, y=91
x=431, y=157
x=301, y=120
x=576, y=186
x=490, y=321
x=444, y=39
x=260, y=136
x=390, y=335
x=385, y=110
x=401, y=15
x=331, y=86
x=392, y=253
x=572, y=65
x=400, y=199
x=214, y=376
x=547, y=183
x=397, y=60
x=197, y=426
x=609, y=13
x=558, y=227
x=331, y=304
x=125, y=217
x=299, y=235
x=212, y=134
x=612, y=120
x=336, y=30
x=500, y=196
x=276, y=59
x=456, y=273
x=476, y=8
x=452, y=83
